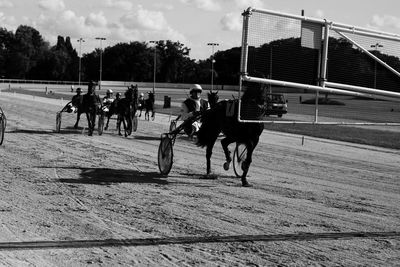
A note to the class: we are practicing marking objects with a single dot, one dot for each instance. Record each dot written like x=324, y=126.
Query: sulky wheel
x=58, y=122
x=134, y=123
x=239, y=156
x=165, y=154
x=100, y=125
x=2, y=128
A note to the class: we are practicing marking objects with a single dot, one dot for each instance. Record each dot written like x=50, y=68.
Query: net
x=353, y=78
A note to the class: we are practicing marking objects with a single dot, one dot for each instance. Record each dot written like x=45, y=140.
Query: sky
x=194, y=23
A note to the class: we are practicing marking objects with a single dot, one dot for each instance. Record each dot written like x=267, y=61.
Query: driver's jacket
x=189, y=106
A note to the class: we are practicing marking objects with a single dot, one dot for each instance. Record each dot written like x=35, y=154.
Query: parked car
x=276, y=105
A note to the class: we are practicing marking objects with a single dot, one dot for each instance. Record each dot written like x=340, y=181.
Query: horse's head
x=213, y=98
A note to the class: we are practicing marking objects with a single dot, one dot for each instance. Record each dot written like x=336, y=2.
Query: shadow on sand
x=105, y=176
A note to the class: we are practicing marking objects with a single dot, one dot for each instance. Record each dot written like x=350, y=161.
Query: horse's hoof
x=226, y=166
x=246, y=184
x=210, y=176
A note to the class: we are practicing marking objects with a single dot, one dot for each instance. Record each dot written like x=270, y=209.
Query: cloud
x=120, y=4
x=164, y=6
x=6, y=4
x=209, y=5
x=249, y=3
x=385, y=21
x=8, y=22
x=319, y=13
x=96, y=20
x=144, y=19
x=231, y=22
x=52, y=5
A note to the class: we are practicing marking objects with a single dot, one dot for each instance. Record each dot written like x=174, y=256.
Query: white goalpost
x=325, y=72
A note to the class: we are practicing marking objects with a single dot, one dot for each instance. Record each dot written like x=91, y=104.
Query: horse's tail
x=210, y=127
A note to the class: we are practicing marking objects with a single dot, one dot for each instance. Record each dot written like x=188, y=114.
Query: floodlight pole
x=154, y=64
x=212, y=64
x=101, y=60
x=376, y=46
x=80, y=40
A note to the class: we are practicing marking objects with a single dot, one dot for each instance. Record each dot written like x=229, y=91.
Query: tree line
x=26, y=55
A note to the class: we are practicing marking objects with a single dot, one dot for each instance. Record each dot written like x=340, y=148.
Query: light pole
x=212, y=64
x=80, y=59
x=376, y=46
x=270, y=66
x=154, y=64
x=101, y=60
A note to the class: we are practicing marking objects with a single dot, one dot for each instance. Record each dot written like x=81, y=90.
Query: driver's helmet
x=118, y=95
x=195, y=88
x=141, y=94
x=78, y=90
x=109, y=92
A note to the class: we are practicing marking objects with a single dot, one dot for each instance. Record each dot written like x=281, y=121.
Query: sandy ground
x=68, y=199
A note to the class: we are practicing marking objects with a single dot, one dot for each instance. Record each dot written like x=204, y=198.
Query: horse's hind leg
x=225, y=143
x=246, y=164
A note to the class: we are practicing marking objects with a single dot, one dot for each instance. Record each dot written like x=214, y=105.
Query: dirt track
x=68, y=199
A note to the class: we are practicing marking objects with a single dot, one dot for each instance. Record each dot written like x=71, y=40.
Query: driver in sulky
x=192, y=106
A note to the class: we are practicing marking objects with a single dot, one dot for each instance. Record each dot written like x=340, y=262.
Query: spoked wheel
x=2, y=128
x=239, y=156
x=58, y=122
x=134, y=123
x=100, y=125
x=172, y=126
x=165, y=154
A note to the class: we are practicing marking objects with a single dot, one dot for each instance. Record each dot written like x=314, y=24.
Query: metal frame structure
x=324, y=85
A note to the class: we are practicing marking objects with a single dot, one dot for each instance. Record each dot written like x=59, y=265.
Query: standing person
x=141, y=103
x=194, y=103
x=108, y=100
x=92, y=103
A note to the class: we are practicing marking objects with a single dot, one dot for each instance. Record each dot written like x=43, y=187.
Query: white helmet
x=195, y=87
x=109, y=91
x=141, y=94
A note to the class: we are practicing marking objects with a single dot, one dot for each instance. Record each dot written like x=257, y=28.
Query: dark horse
x=149, y=106
x=223, y=118
x=90, y=105
x=126, y=109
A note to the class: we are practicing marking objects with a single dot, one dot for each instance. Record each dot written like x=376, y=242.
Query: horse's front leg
x=119, y=118
x=225, y=143
x=78, y=116
x=108, y=120
x=89, y=119
x=208, y=157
